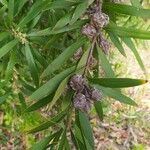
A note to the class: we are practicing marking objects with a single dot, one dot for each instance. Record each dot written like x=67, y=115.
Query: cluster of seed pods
x=85, y=95
x=98, y=20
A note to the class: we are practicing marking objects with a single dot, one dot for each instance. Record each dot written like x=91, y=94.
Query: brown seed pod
x=81, y=103
x=100, y=19
x=77, y=82
x=89, y=30
x=96, y=95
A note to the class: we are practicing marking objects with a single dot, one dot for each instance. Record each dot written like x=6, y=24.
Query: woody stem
x=89, y=55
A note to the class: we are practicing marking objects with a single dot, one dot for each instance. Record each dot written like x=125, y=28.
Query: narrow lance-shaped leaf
x=53, y=121
x=6, y=48
x=3, y=35
x=41, y=103
x=51, y=31
x=80, y=10
x=32, y=65
x=10, y=66
x=4, y=2
x=64, y=56
x=56, y=139
x=117, y=43
x=60, y=4
x=126, y=9
x=115, y=94
x=34, y=11
x=62, y=140
x=40, y=58
x=86, y=129
x=63, y=21
x=51, y=85
x=99, y=109
x=10, y=10
x=104, y=63
x=59, y=92
x=22, y=101
x=74, y=139
x=19, y=6
x=78, y=136
x=2, y=11
x=41, y=145
x=131, y=45
x=117, y=82
x=128, y=32
x=82, y=62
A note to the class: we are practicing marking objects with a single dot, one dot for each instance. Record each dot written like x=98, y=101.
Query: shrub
x=51, y=53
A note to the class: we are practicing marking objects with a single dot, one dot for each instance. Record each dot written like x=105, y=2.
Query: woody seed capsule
x=89, y=31
x=100, y=19
x=81, y=103
x=77, y=82
x=96, y=95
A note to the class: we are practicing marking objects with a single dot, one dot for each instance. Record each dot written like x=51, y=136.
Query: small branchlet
x=19, y=35
x=85, y=95
x=98, y=20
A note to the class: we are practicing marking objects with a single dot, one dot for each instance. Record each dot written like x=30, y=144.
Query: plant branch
x=90, y=54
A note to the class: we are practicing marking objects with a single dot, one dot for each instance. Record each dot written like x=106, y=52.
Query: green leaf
x=78, y=136
x=6, y=48
x=63, y=57
x=37, y=8
x=63, y=21
x=51, y=85
x=51, y=31
x=59, y=92
x=105, y=63
x=32, y=65
x=99, y=109
x=115, y=94
x=42, y=145
x=82, y=61
x=10, y=66
x=80, y=10
x=62, y=140
x=74, y=139
x=86, y=129
x=19, y=6
x=3, y=35
x=60, y=4
x=117, y=43
x=22, y=101
x=2, y=12
x=128, y=32
x=10, y=10
x=126, y=9
x=40, y=103
x=56, y=139
x=4, y=2
x=117, y=82
x=40, y=58
x=53, y=121
x=131, y=45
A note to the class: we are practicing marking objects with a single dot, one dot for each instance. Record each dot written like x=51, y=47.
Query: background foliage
x=38, y=40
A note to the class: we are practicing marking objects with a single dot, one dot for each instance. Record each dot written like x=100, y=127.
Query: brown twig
x=89, y=55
